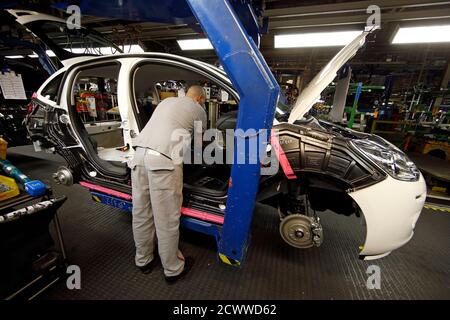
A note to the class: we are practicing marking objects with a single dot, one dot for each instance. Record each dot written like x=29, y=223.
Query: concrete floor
x=99, y=240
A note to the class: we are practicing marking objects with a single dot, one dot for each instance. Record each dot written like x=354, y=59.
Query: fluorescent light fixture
x=50, y=53
x=315, y=39
x=195, y=44
x=427, y=34
x=280, y=111
x=14, y=57
x=134, y=48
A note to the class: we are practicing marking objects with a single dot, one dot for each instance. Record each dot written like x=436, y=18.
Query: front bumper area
x=391, y=209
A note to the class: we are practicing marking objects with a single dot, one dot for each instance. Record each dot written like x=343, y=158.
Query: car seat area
x=204, y=179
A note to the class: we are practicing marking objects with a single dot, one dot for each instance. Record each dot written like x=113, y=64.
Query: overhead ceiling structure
x=287, y=17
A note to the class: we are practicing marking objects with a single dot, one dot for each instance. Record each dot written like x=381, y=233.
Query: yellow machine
x=3, y=148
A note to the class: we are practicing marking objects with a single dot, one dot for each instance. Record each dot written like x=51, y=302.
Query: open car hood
x=311, y=93
x=64, y=43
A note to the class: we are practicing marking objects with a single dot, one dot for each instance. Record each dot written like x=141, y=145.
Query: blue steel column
x=258, y=91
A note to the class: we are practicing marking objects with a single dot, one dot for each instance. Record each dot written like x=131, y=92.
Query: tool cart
x=32, y=257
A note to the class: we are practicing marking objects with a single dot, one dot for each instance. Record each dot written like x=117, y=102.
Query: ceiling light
x=49, y=53
x=316, y=39
x=14, y=57
x=134, y=48
x=195, y=44
x=427, y=34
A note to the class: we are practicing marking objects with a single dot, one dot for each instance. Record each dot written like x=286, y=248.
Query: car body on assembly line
x=90, y=110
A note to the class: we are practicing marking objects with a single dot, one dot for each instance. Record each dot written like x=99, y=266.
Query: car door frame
x=197, y=67
x=67, y=103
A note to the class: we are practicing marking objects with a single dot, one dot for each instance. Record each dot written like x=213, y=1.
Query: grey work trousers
x=157, y=197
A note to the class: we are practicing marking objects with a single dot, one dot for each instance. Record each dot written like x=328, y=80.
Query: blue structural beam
x=233, y=30
x=112, y=201
x=167, y=11
x=201, y=226
x=258, y=91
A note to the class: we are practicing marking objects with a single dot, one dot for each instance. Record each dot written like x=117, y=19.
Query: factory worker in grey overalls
x=157, y=182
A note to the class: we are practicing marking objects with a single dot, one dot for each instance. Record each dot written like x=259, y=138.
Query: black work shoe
x=146, y=269
x=188, y=262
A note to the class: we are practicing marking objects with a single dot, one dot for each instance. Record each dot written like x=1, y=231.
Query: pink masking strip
x=111, y=192
x=185, y=211
x=201, y=215
x=281, y=156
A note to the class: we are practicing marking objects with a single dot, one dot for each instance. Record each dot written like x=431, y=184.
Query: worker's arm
x=203, y=118
x=200, y=117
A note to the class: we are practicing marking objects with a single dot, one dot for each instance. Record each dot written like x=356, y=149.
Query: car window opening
x=95, y=95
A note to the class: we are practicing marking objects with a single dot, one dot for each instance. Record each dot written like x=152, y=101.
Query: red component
x=81, y=107
x=407, y=143
x=185, y=211
x=281, y=156
x=30, y=107
x=111, y=192
x=201, y=215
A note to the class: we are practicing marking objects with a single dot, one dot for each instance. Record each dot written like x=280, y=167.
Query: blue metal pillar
x=258, y=91
x=233, y=35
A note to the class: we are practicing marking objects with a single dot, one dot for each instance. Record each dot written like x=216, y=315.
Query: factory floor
x=99, y=240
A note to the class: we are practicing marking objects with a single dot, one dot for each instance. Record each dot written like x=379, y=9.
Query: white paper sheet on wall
x=91, y=106
x=224, y=96
x=12, y=86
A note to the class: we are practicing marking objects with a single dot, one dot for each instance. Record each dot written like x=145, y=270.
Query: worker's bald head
x=197, y=93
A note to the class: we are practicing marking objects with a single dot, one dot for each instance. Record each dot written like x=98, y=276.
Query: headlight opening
x=389, y=158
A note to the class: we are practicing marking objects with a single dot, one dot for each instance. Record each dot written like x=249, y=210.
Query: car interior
x=95, y=94
x=96, y=115
x=153, y=83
